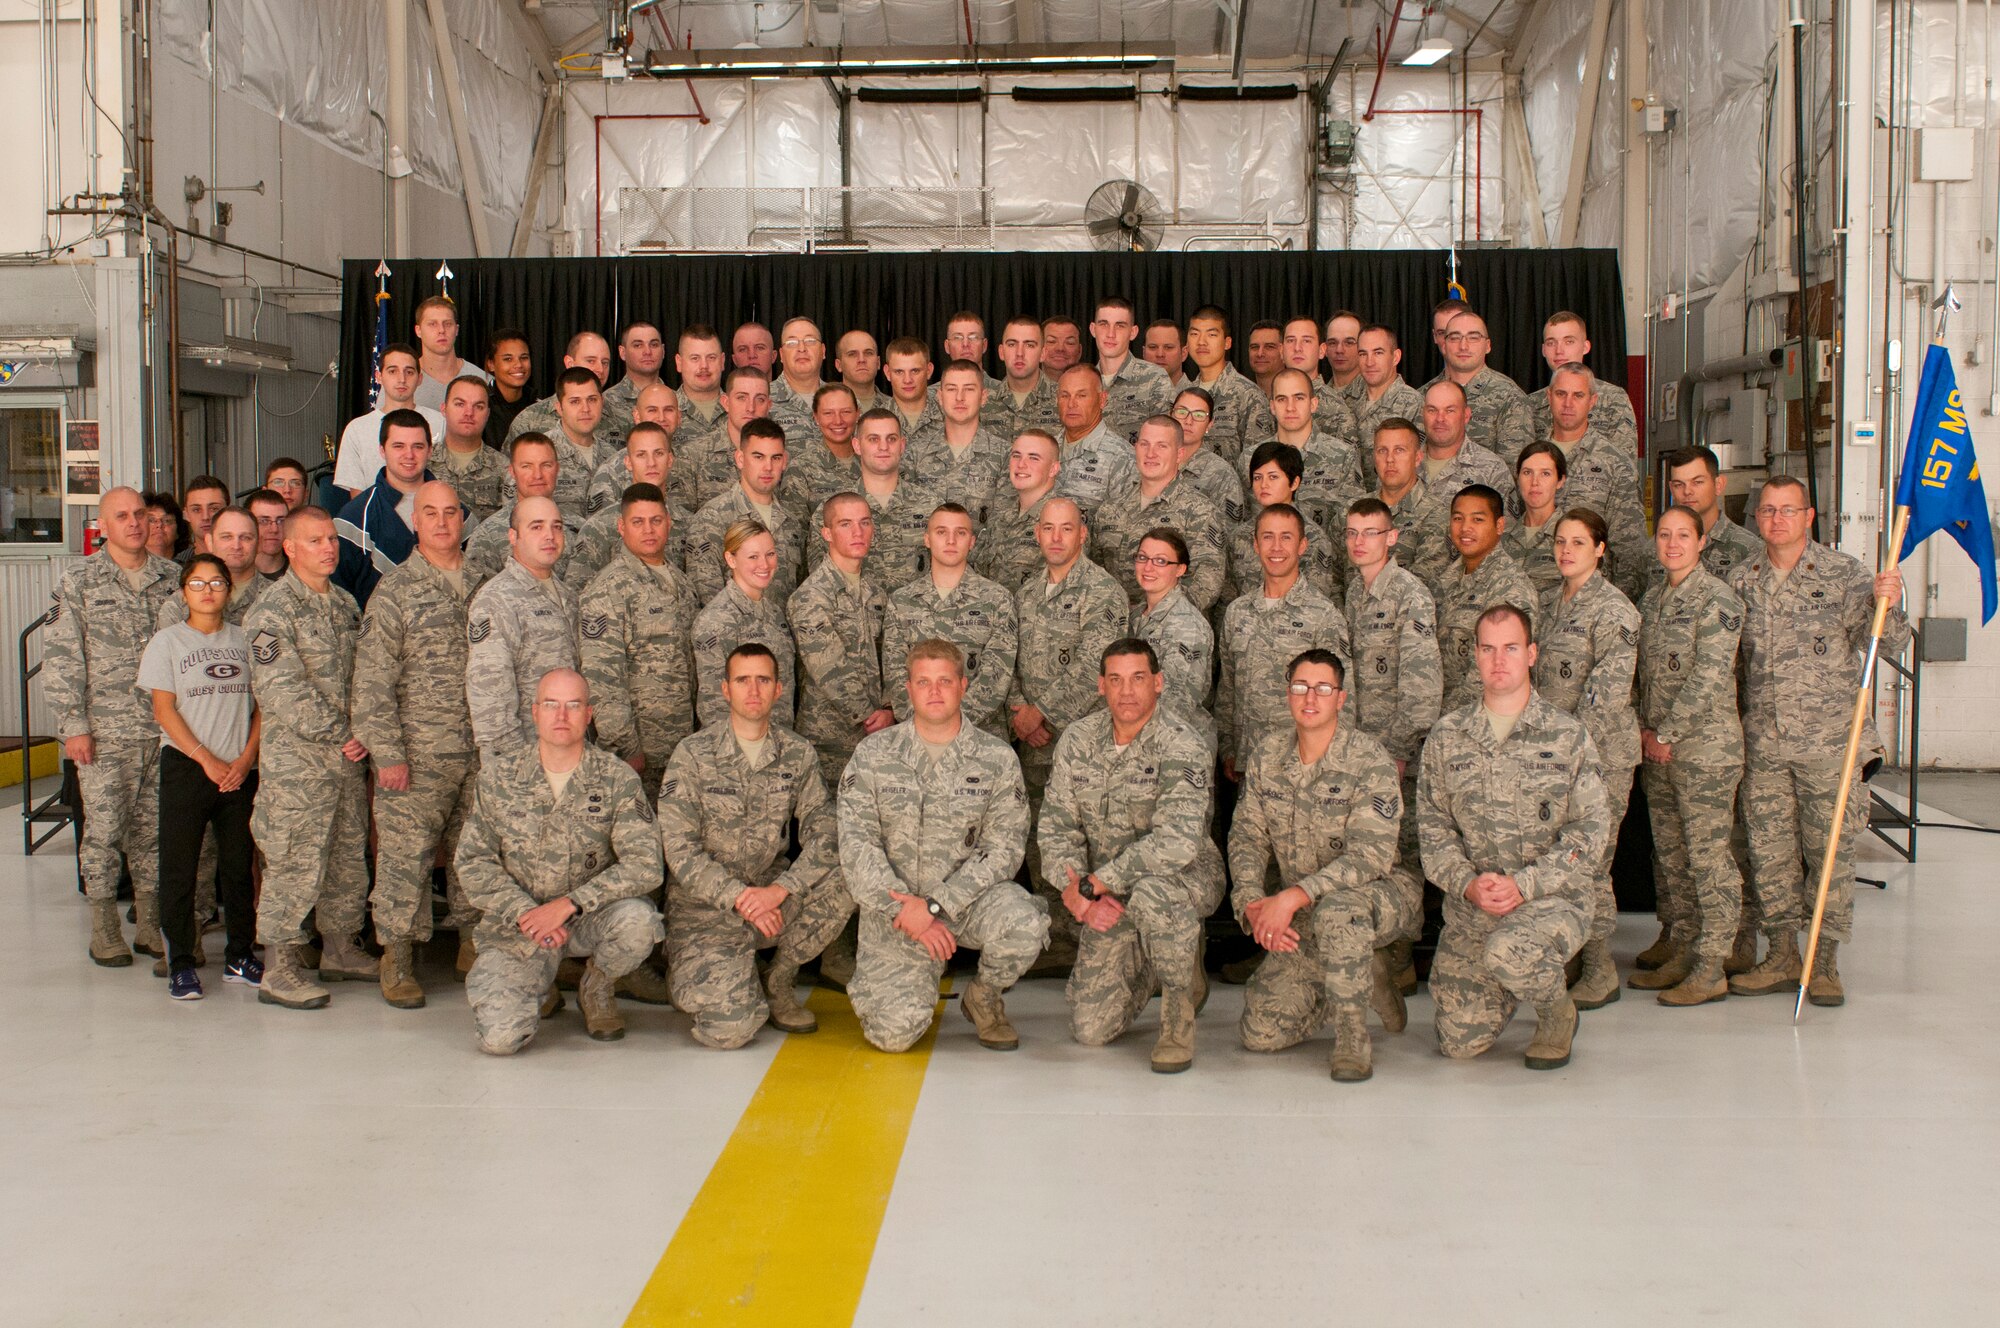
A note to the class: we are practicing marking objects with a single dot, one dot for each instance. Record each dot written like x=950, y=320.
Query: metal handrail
x=1882, y=812
x=54, y=809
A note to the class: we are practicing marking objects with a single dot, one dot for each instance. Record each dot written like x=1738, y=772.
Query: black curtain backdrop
x=897, y=294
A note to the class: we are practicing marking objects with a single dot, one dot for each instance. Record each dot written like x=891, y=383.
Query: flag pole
x=1830, y=858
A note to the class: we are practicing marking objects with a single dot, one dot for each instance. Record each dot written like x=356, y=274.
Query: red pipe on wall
x=1382, y=58
x=1478, y=159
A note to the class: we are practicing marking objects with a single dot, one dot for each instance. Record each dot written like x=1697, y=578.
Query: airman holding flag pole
x=1939, y=489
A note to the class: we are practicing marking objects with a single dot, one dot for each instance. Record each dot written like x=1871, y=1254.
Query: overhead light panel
x=836, y=62
x=1428, y=52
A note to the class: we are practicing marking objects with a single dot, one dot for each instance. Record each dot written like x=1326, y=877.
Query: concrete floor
x=223, y=1163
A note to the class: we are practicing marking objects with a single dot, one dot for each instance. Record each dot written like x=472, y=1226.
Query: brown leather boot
x=146, y=938
x=1669, y=974
x=1824, y=988
x=399, y=977
x=107, y=936
x=468, y=952
x=1705, y=982
x=987, y=1012
x=341, y=959
x=1403, y=965
x=597, y=998
x=1353, y=1051
x=1174, y=1051
x=1597, y=985
x=1742, y=955
x=1659, y=952
x=286, y=984
x=569, y=975
x=781, y=995
x=1778, y=973
x=1385, y=995
x=1555, y=1034
x=646, y=986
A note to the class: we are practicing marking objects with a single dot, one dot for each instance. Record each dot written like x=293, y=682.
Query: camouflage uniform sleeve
x=1249, y=843
x=1439, y=843
x=64, y=661
x=1570, y=864
x=1180, y=826
x=1713, y=673
x=1371, y=834
x=1225, y=693
x=1106, y=615
x=990, y=690
x=863, y=860
x=1858, y=615
x=1614, y=648
x=823, y=650
x=1058, y=830
x=819, y=834
x=489, y=886
x=284, y=690
x=1515, y=430
x=636, y=867
x=491, y=694
x=1001, y=844
x=896, y=660
x=681, y=840
x=1208, y=548
x=1332, y=635
x=1631, y=544
x=605, y=649
x=1420, y=675
x=372, y=709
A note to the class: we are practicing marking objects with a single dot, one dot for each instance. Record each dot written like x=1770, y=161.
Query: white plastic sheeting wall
x=1551, y=98
x=323, y=67
x=1218, y=167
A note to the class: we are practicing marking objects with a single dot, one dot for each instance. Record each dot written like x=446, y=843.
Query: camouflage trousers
x=1487, y=966
x=712, y=957
x=1788, y=810
x=1157, y=940
x=1292, y=995
x=312, y=826
x=409, y=825
x=1409, y=858
x=833, y=754
x=895, y=986
x=1695, y=874
x=1603, y=895
x=512, y=973
x=121, y=816
x=1037, y=763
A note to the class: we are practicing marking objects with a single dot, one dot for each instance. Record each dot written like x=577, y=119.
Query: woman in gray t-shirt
x=199, y=675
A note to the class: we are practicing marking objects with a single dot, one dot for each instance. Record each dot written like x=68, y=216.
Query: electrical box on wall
x=1945, y=153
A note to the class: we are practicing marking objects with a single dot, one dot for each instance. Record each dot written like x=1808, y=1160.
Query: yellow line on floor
x=783, y=1229
x=44, y=759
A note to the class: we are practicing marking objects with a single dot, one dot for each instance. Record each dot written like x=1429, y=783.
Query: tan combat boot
x=286, y=984
x=1555, y=1032
x=552, y=1004
x=1671, y=973
x=146, y=938
x=399, y=977
x=646, y=985
x=1825, y=988
x=569, y=975
x=1174, y=1051
x=1200, y=988
x=1385, y=996
x=987, y=1013
x=1743, y=955
x=1403, y=965
x=467, y=953
x=1597, y=985
x=1353, y=1050
x=597, y=998
x=1659, y=952
x=1705, y=982
x=1778, y=973
x=781, y=994
x=341, y=959
x=107, y=936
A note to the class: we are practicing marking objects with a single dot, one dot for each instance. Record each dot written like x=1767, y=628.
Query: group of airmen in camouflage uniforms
x=1043, y=666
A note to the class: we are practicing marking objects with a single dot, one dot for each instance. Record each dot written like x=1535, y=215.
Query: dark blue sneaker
x=184, y=985
x=249, y=972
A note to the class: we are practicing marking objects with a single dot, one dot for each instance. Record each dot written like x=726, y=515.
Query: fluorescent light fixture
x=1429, y=53
x=851, y=61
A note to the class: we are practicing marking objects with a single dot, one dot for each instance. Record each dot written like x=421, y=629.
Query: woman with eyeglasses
x=1205, y=468
x=1176, y=630
x=198, y=673
x=1587, y=647
x=1692, y=742
x=742, y=611
x=1540, y=473
x=163, y=525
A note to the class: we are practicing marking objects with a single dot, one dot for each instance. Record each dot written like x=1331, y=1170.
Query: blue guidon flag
x=1940, y=480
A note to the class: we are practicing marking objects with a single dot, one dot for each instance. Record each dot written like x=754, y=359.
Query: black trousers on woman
x=190, y=806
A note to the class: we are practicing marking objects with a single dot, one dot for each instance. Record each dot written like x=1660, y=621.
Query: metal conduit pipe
x=1735, y=366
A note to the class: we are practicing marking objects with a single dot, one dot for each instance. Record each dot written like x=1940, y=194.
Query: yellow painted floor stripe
x=44, y=759
x=783, y=1229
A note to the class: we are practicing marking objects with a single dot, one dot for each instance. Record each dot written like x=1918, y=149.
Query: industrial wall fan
x=1123, y=216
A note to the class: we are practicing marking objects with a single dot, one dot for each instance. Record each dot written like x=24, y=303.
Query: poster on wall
x=82, y=480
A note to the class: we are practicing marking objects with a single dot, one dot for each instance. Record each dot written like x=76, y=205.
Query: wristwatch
x=937, y=909
x=1086, y=888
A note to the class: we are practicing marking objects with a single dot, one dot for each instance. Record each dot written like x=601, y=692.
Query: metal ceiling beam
x=1525, y=32
x=461, y=132
x=534, y=37
x=1237, y=49
x=1586, y=118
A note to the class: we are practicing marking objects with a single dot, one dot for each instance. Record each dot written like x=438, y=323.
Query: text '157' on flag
x=1940, y=480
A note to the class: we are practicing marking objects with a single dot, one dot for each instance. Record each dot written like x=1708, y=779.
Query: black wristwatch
x=1086, y=888
x=937, y=909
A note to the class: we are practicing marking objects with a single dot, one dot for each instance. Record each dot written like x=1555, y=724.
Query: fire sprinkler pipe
x=1382, y=59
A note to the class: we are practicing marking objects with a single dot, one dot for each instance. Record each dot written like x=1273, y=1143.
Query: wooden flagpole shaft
x=1830, y=858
